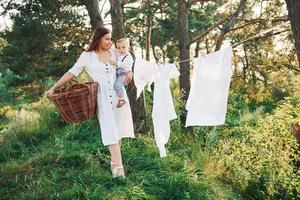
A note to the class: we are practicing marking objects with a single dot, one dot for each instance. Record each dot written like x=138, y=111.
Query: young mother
x=115, y=123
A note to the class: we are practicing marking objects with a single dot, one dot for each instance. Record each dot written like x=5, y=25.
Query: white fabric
x=145, y=72
x=207, y=101
x=126, y=63
x=163, y=108
x=115, y=123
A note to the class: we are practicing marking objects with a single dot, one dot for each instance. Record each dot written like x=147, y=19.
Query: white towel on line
x=207, y=101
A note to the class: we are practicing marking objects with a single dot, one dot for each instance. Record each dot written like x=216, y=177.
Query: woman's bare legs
x=116, y=159
x=115, y=153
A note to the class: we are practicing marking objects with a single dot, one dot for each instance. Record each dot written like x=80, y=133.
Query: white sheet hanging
x=163, y=107
x=207, y=101
x=145, y=72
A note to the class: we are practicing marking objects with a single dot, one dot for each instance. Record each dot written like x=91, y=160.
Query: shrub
x=264, y=162
x=7, y=80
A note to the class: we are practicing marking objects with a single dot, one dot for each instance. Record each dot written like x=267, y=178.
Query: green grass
x=48, y=159
x=252, y=156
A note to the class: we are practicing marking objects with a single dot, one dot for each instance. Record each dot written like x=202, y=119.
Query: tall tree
x=149, y=29
x=92, y=7
x=137, y=105
x=184, y=51
x=117, y=19
x=293, y=7
x=151, y=9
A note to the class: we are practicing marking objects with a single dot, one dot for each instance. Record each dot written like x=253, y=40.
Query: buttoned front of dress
x=115, y=123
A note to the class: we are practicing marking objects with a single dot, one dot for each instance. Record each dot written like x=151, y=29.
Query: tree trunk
x=149, y=30
x=246, y=65
x=142, y=50
x=137, y=109
x=184, y=51
x=92, y=7
x=293, y=7
x=229, y=24
x=117, y=20
x=207, y=46
x=163, y=54
x=197, y=49
x=137, y=105
x=154, y=54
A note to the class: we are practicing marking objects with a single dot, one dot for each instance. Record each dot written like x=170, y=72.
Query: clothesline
x=191, y=59
x=186, y=60
x=180, y=61
x=249, y=39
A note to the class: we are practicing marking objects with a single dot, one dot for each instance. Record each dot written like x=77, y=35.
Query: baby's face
x=122, y=48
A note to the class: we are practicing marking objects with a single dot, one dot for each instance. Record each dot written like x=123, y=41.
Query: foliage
x=7, y=82
x=260, y=157
x=44, y=39
x=252, y=156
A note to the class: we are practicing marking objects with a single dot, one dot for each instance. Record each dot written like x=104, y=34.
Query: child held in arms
x=123, y=65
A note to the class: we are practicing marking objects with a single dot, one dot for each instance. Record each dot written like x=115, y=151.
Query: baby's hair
x=123, y=40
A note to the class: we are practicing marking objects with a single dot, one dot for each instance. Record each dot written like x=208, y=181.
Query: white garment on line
x=115, y=123
x=163, y=107
x=207, y=101
x=145, y=72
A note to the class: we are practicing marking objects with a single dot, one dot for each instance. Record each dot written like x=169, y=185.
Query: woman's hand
x=64, y=79
x=113, y=62
x=49, y=92
x=128, y=78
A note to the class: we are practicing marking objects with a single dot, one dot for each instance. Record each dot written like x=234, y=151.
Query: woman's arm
x=64, y=79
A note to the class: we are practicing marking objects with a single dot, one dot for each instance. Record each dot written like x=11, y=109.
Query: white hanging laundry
x=207, y=101
x=163, y=107
x=145, y=72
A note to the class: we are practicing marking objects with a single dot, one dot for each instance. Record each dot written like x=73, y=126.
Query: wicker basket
x=77, y=102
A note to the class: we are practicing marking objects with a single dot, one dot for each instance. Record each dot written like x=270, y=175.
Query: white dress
x=115, y=123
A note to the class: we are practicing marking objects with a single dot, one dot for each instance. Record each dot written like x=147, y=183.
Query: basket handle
x=70, y=83
x=66, y=85
x=85, y=85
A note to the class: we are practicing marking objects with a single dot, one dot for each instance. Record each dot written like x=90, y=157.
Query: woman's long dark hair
x=97, y=35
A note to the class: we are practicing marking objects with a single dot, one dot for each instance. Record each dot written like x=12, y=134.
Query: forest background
x=252, y=156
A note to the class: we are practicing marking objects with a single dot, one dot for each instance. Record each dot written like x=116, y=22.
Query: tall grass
x=252, y=156
x=42, y=157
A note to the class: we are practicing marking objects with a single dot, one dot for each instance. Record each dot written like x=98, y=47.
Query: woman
x=115, y=123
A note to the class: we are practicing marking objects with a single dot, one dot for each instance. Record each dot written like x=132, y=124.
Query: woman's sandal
x=117, y=171
x=121, y=102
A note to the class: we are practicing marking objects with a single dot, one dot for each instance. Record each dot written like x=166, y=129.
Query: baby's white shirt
x=126, y=63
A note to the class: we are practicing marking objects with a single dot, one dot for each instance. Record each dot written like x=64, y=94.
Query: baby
x=123, y=65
